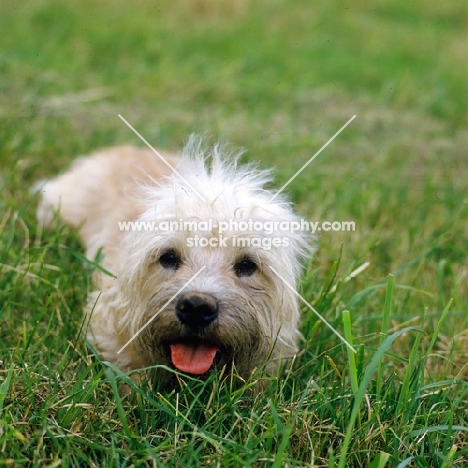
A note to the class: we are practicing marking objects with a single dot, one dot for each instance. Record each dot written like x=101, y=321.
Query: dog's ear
x=103, y=312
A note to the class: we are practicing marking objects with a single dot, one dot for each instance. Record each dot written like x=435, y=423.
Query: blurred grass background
x=279, y=78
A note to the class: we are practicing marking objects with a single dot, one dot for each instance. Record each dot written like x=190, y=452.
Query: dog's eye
x=170, y=260
x=245, y=267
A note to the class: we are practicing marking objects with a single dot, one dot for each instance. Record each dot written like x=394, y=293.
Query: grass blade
x=4, y=387
x=353, y=374
x=384, y=328
x=359, y=397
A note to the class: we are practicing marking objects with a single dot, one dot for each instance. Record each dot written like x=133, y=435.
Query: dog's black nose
x=196, y=309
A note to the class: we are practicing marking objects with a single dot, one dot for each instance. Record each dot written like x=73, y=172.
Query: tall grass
x=280, y=78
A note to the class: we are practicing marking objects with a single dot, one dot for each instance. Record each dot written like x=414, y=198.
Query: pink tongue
x=194, y=359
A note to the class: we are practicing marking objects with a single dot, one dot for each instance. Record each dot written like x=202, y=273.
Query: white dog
x=206, y=282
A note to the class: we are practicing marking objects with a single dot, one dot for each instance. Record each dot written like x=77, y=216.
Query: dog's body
x=236, y=309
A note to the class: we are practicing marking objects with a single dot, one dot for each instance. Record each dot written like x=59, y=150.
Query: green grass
x=279, y=78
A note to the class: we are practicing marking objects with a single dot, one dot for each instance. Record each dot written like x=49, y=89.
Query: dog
x=214, y=289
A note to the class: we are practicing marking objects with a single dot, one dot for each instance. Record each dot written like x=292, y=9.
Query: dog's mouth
x=195, y=356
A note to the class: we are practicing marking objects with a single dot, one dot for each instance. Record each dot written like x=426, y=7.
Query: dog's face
x=229, y=313
x=232, y=312
x=206, y=307
x=199, y=299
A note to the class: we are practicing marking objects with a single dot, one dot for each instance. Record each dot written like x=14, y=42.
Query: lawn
x=279, y=78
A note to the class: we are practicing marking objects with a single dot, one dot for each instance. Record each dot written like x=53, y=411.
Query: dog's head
x=210, y=278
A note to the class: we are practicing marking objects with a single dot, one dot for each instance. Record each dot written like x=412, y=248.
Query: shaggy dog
x=205, y=276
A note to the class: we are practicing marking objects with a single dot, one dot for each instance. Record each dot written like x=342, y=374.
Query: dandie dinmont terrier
x=204, y=273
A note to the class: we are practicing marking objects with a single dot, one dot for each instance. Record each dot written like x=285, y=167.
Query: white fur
x=259, y=315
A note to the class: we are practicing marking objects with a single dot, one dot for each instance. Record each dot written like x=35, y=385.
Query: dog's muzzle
x=193, y=354
x=196, y=310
